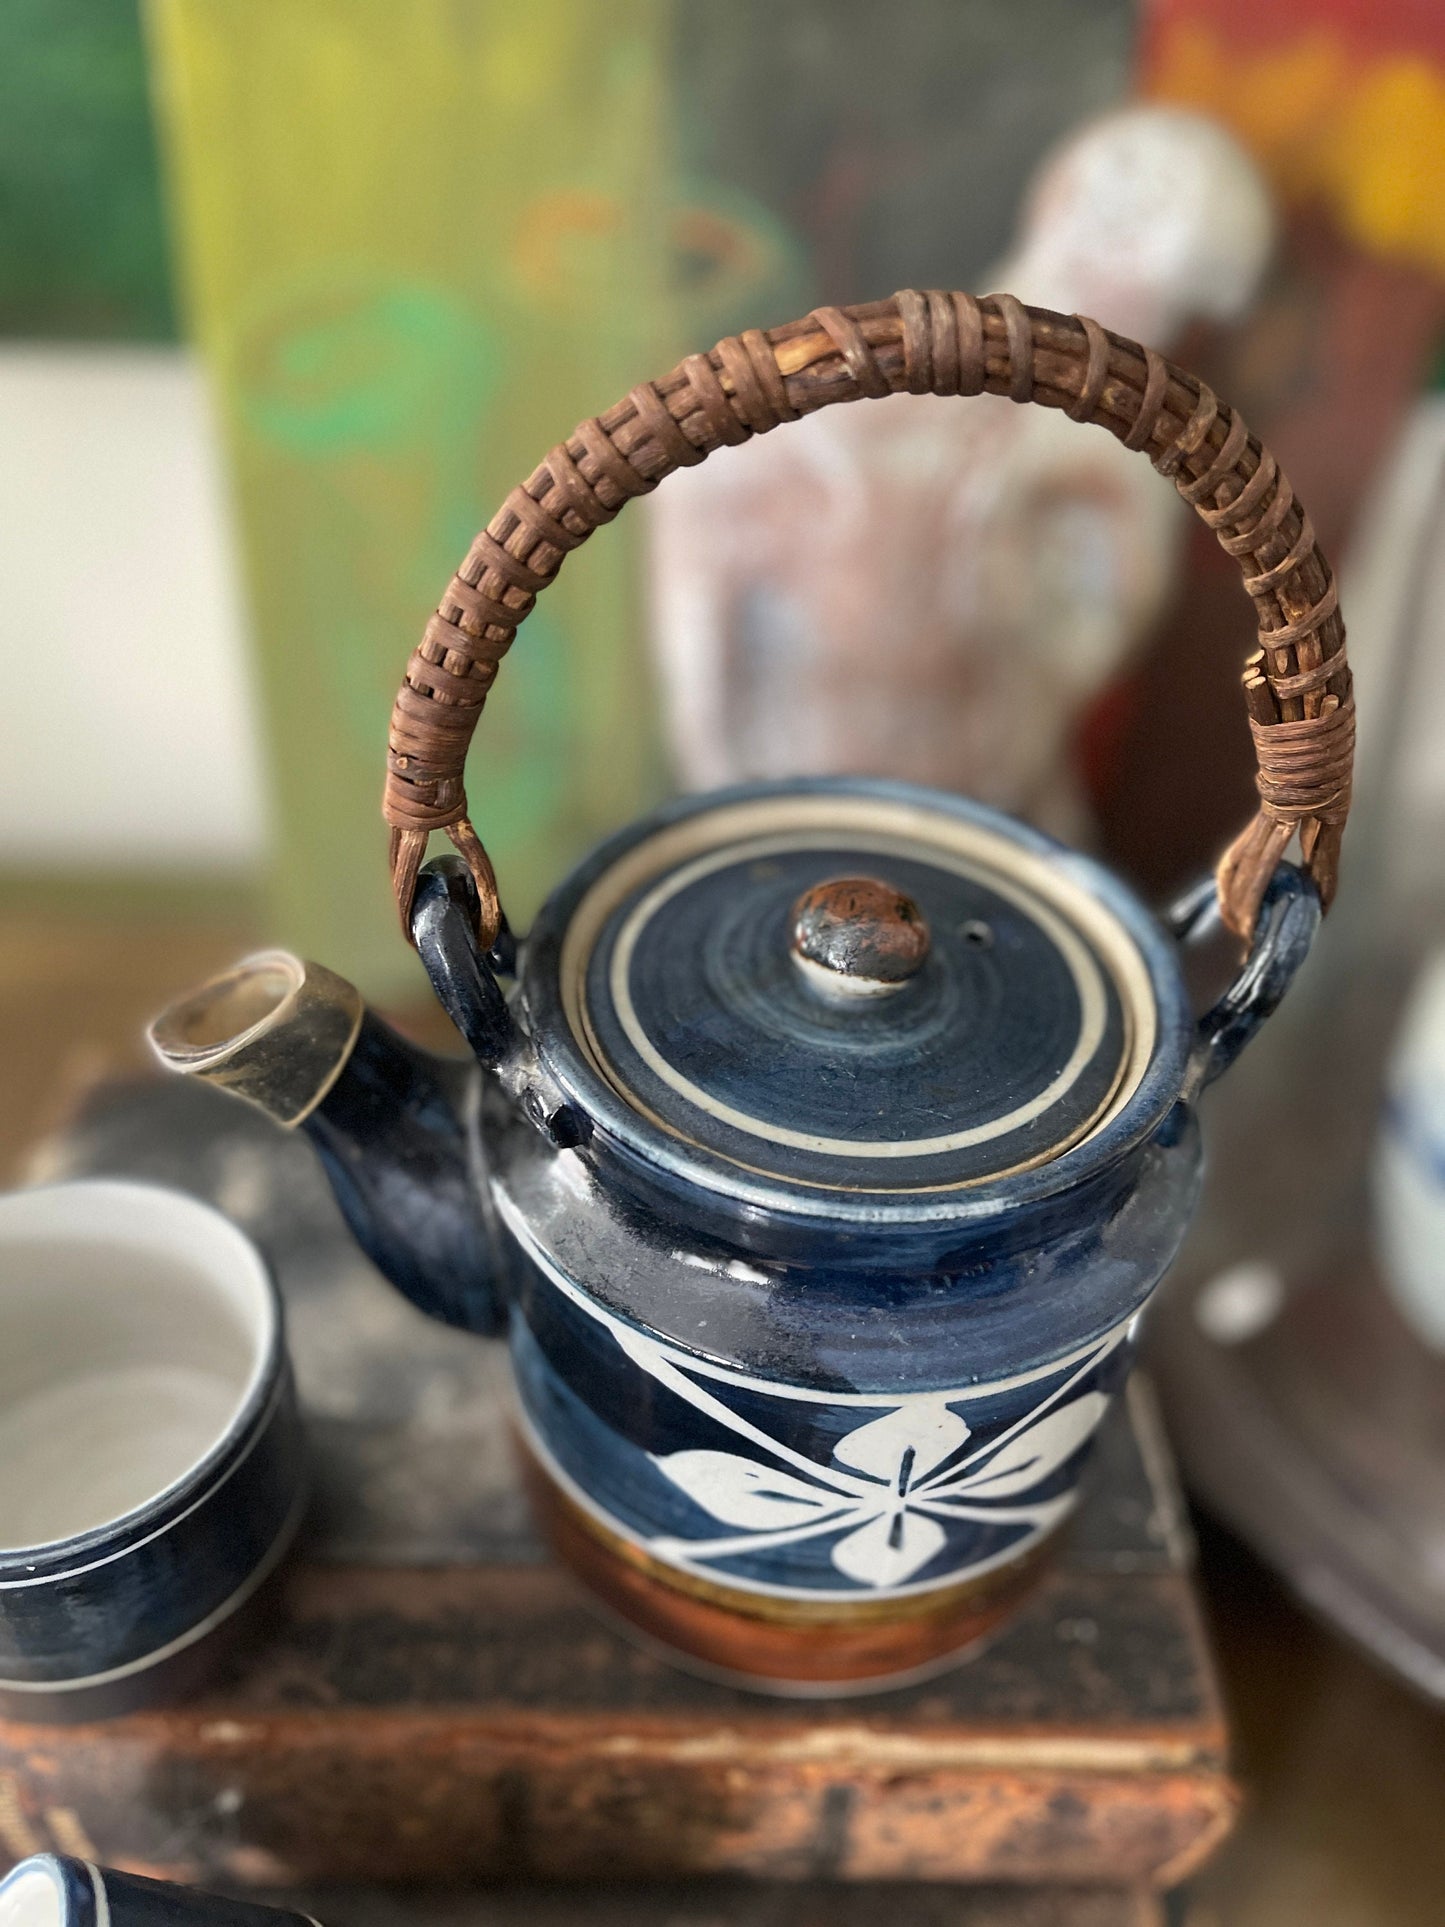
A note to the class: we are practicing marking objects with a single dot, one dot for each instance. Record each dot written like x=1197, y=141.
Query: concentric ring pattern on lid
x=1027, y=1024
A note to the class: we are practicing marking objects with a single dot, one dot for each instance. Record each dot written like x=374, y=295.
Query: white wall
x=127, y=731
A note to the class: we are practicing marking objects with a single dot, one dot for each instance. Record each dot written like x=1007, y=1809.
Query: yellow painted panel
x=420, y=241
x=1361, y=133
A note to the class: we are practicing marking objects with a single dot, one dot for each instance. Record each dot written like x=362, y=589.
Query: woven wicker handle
x=1297, y=684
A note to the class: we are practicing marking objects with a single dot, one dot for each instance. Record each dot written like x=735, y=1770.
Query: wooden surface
x=401, y=1725
x=734, y=1903
x=431, y=1697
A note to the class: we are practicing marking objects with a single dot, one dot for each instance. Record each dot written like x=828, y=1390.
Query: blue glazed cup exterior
x=54, y=1890
x=133, y=1608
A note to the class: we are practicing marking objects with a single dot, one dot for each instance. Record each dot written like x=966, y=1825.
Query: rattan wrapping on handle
x=1297, y=684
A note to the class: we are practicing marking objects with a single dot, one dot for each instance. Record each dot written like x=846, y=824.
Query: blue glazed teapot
x=824, y=1139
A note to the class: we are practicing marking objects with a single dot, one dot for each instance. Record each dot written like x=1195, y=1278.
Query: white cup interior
x=31, y=1898
x=135, y=1324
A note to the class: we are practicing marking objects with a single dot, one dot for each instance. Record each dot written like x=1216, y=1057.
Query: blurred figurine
x=936, y=590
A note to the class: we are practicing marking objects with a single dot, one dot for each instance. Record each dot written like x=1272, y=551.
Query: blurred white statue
x=935, y=588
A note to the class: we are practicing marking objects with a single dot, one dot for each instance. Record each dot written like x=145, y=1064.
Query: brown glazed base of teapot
x=782, y=1644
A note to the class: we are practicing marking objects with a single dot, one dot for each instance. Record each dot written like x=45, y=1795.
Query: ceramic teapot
x=833, y=1134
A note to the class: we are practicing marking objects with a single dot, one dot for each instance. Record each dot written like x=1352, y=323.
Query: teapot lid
x=847, y=987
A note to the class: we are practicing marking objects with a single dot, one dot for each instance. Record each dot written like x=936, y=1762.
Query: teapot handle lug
x=1289, y=916
x=463, y=975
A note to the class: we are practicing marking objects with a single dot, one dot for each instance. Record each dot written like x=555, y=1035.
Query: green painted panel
x=82, y=239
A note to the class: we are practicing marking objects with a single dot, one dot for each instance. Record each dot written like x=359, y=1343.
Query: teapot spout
x=396, y=1129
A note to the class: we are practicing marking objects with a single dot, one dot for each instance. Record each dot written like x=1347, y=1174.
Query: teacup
x=151, y=1473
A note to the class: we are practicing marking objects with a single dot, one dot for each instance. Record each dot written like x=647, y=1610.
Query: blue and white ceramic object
x=1409, y=1170
x=53, y=1890
x=150, y=1461
x=823, y=1159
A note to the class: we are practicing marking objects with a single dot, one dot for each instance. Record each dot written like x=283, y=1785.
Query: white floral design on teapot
x=904, y=1475
x=891, y=1487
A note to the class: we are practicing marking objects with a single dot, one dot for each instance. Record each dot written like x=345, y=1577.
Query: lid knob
x=858, y=937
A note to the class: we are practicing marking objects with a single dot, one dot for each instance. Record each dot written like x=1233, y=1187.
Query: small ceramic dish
x=52, y=1890
x=151, y=1472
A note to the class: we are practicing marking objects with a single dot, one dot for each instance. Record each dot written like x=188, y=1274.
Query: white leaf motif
x=742, y=1492
x=1031, y=1455
x=903, y=1445
x=1039, y=1516
x=889, y=1550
